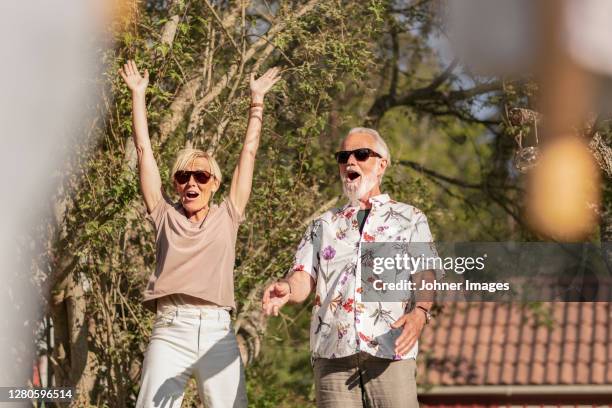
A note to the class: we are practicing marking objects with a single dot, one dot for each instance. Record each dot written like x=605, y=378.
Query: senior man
x=363, y=352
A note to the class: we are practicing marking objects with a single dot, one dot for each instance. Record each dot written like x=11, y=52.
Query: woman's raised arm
x=150, y=180
x=243, y=174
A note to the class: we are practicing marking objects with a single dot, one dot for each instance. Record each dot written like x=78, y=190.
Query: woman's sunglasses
x=360, y=154
x=200, y=176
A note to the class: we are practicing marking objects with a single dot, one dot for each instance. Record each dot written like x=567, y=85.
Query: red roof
x=505, y=344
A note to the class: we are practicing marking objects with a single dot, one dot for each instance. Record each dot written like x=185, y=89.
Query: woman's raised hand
x=133, y=79
x=261, y=85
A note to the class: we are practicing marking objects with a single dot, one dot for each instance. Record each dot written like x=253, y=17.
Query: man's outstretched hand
x=275, y=296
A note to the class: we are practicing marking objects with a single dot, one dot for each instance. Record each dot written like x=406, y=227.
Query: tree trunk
x=72, y=360
x=605, y=226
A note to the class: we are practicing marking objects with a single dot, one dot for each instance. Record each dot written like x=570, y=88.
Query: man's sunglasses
x=360, y=154
x=200, y=176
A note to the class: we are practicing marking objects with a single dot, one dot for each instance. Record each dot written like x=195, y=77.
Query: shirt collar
x=376, y=201
x=380, y=199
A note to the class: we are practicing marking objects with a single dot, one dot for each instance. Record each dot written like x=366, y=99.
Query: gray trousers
x=362, y=380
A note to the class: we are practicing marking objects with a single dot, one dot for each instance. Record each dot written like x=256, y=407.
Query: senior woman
x=192, y=288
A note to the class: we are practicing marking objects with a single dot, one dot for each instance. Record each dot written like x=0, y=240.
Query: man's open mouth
x=352, y=175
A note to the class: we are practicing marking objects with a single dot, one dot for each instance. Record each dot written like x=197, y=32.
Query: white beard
x=356, y=190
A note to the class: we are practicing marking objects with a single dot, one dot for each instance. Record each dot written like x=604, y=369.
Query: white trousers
x=189, y=342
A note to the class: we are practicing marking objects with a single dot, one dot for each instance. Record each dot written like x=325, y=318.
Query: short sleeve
x=231, y=209
x=423, y=238
x=306, y=256
x=159, y=211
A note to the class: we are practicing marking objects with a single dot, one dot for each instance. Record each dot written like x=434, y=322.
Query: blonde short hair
x=185, y=157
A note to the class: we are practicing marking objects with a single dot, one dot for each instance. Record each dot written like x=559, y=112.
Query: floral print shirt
x=342, y=324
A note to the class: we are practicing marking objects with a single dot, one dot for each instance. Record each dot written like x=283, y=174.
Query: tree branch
x=422, y=169
x=223, y=26
x=489, y=190
x=195, y=117
x=185, y=98
x=394, y=63
x=428, y=93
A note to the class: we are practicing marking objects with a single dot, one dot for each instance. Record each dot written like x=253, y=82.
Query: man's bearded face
x=360, y=177
x=355, y=184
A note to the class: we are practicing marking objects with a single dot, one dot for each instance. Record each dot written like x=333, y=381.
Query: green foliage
x=285, y=362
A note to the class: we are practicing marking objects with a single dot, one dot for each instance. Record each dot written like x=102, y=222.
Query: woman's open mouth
x=191, y=195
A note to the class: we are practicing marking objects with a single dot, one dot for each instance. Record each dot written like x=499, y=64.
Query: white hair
x=381, y=146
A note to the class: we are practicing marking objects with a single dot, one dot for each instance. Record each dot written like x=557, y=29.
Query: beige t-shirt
x=195, y=259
